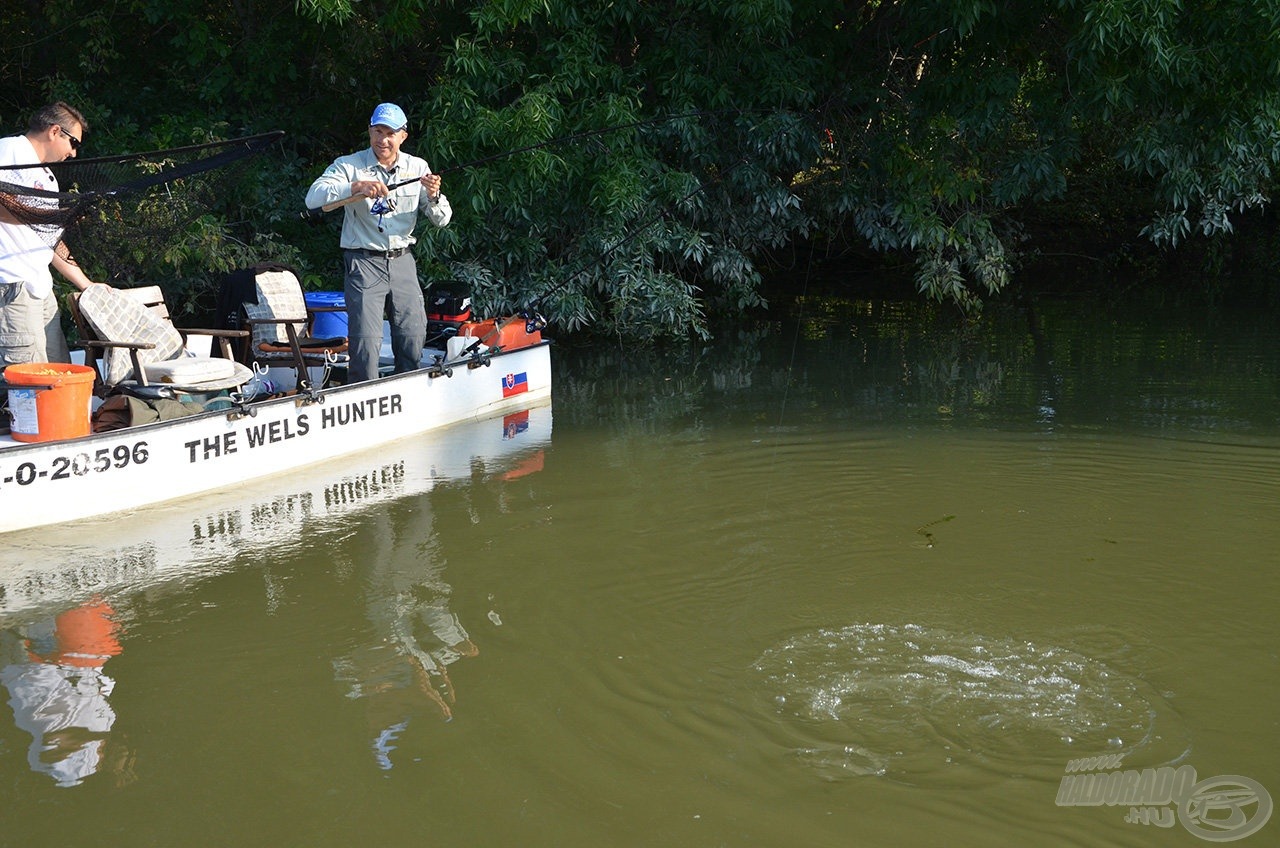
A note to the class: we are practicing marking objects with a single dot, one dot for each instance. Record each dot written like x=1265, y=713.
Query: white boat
x=53, y=482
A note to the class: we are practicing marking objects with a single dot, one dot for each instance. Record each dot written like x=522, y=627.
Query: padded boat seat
x=186, y=370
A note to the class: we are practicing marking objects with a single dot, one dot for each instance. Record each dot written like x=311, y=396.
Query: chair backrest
x=279, y=297
x=127, y=315
x=151, y=297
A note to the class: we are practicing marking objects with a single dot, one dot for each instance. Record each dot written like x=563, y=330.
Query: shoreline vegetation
x=642, y=170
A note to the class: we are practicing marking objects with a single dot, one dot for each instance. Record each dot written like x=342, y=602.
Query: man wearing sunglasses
x=30, y=327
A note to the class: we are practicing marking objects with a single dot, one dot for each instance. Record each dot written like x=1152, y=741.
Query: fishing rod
x=312, y=215
x=533, y=319
x=315, y=214
x=532, y=316
x=720, y=177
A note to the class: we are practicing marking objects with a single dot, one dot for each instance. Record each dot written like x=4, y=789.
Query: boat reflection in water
x=59, y=595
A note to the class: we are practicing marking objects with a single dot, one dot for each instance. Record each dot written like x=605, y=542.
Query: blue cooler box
x=328, y=325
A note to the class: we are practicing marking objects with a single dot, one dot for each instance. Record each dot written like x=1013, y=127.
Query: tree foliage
x=633, y=166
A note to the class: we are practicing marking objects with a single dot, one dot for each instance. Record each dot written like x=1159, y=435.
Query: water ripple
x=928, y=706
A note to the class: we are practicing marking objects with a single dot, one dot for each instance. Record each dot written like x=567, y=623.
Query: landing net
x=134, y=204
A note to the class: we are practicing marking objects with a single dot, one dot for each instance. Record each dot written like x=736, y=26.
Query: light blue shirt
x=360, y=226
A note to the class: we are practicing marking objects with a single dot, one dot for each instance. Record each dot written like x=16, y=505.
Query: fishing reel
x=533, y=320
x=382, y=206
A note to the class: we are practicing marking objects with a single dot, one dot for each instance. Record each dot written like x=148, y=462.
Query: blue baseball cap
x=389, y=115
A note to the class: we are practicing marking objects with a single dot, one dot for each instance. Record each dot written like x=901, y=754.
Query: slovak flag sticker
x=515, y=384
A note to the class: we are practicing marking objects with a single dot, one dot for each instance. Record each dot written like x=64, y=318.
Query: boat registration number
x=78, y=464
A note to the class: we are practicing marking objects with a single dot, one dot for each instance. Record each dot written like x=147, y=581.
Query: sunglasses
x=75, y=142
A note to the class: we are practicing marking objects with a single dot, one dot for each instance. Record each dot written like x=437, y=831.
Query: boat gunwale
x=10, y=446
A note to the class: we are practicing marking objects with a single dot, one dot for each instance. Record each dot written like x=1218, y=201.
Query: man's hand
x=368, y=188
x=431, y=182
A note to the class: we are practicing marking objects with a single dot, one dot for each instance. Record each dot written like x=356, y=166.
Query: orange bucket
x=47, y=415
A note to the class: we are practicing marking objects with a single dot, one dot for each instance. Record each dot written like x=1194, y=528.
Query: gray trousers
x=377, y=286
x=31, y=330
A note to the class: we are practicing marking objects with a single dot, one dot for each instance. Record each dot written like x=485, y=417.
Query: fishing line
x=795, y=345
x=312, y=215
x=664, y=213
x=534, y=320
x=601, y=131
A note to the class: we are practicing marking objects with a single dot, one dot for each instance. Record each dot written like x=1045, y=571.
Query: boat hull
x=49, y=483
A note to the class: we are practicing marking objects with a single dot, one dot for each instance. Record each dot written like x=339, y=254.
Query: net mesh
x=133, y=205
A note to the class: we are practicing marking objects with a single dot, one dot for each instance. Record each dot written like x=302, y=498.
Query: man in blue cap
x=381, y=276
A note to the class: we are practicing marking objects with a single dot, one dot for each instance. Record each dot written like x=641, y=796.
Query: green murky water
x=865, y=576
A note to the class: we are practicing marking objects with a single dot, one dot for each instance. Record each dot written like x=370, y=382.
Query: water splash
x=925, y=705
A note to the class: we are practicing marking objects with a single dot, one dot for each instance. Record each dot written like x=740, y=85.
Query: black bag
x=448, y=307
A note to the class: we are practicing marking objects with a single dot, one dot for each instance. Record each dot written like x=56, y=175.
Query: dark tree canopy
x=704, y=137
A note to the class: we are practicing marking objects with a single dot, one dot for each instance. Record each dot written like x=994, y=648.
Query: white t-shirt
x=25, y=252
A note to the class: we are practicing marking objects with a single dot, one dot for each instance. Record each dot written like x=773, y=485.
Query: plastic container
x=48, y=415
x=328, y=325
x=509, y=336
x=457, y=345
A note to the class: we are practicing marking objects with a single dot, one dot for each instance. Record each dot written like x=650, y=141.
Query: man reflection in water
x=407, y=601
x=58, y=691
